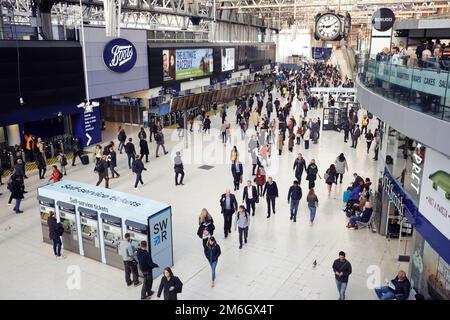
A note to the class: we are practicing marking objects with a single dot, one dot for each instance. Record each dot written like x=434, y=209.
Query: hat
x=342, y=253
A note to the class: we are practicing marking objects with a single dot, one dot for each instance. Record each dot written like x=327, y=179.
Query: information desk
x=95, y=220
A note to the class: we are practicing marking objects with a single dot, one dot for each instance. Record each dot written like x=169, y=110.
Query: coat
x=280, y=142
x=165, y=286
x=260, y=177
x=16, y=189
x=212, y=253
x=233, y=169
x=146, y=263
x=144, y=147
x=254, y=190
x=255, y=118
x=311, y=172
x=233, y=202
x=341, y=166
x=270, y=190
x=52, y=226
x=209, y=227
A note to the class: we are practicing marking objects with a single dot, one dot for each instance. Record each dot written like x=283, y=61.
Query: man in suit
x=250, y=197
x=229, y=206
x=237, y=171
x=299, y=166
x=271, y=192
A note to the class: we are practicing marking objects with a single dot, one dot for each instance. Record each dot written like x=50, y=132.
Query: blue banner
x=88, y=127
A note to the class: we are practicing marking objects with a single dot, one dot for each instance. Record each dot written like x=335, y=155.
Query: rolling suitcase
x=84, y=159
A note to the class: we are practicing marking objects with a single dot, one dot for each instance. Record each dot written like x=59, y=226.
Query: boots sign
x=119, y=55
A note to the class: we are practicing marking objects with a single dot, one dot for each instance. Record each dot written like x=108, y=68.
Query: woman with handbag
x=170, y=285
x=206, y=226
x=330, y=177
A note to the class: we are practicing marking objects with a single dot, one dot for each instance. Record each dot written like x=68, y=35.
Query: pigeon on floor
x=314, y=263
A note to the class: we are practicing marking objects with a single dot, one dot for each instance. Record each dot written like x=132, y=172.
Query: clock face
x=328, y=27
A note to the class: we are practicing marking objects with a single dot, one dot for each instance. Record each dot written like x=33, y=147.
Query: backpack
x=128, y=148
x=63, y=160
x=246, y=216
x=59, y=229
x=99, y=167
x=158, y=137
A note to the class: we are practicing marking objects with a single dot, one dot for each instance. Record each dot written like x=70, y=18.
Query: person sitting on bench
x=398, y=288
x=364, y=217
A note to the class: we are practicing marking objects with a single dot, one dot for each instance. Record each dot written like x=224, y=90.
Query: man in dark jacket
x=16, y=189
x=229, y=206
x=138, y=167
x=159, y=137
x=54, y=235
x=355, y=137
x=346, y=128
x=142, y=135
x=237, y=171
x=77, y=150
x=342, y=270
x=102, y=169
x=146, y=265
x=179, y=169
x=153, y=129
x=398, y=289
x=294, y=196
x=271, y=192
x=299, y=166
x=122, y=137
x=250, y=197
x=130, y=150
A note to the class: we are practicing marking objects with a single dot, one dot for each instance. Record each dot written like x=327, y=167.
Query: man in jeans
x=242, y=222
x=146, y=264
x=129, y=263
x=398, y=289
x=342, y=270
x=294, y=196
x=130, y=150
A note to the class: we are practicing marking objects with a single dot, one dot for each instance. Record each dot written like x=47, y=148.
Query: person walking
x=77, y=150
x=311, y=174
x=129, y=261
x=242, y=223
x=313, y=203
x=376, y=148
x=138, y=167
x=212, y=254
x=55, y=231
x=159, y=138
x=280, y=142
x=369, y=138
x=294, y=196
x=237, y=171
x=102, y=170
x=179, y=169
x=355, y=136
x=41, y=164
x=97, y=154
x=56, y=174
x=299, y=166
x=250, y=197
x=271, y=192
x=306, y=137
x=346, y=128
x=130, y=150
x=142, y=135
x=330, y=177
x=260, y=179
x=229, y=206
x=146, y=265
x=112, y=162
x=170, y=284
x=341, y=166
x=143, y=144
x=234, y=155
x=207, y=124
x=16, y=188
x=153, y=129
x=342, y=270
x=205, y=226
x=122, y=137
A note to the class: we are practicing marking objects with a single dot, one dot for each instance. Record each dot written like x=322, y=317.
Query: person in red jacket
x=56, y=174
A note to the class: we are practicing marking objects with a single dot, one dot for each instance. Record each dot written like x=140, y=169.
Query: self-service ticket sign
x=160, y=236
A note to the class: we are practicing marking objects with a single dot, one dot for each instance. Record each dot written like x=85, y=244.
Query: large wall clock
x=329, y=26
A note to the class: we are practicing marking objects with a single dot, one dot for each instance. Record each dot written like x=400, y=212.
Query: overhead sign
x=119, y=55
x=228, y=59
x=383, y=19
x=435, y=194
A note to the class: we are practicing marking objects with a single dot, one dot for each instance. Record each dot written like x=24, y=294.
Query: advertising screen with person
x=193, y=63
x=168, y=57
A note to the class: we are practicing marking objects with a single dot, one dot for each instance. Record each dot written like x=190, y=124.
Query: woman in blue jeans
x=212, y=253
x=313, y=203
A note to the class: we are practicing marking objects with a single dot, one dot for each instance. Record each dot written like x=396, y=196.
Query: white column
x=13, y=133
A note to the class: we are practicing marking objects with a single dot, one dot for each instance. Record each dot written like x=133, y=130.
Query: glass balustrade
x=424, y=89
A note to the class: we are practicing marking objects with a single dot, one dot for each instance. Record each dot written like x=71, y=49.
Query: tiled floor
x=277, y=263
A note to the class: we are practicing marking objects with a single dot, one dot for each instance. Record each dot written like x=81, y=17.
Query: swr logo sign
x=160, y=232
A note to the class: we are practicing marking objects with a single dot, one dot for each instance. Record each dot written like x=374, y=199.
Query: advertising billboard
x=228, y=59
x=193, y=63
x=168, y=57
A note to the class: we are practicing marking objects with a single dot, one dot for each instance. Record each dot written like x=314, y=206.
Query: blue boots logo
x=119, y=55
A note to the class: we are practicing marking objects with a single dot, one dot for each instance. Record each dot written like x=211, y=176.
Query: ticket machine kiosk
x=45, y=206
x=89, y=233
x=67, y=216
x=112, y=234
x=138, y=232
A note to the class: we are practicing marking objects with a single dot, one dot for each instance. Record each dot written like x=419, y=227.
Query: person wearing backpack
x=160, y=143
x=138, y=167
x=122, y=137
x=170, y=284
x=102, y=170
x=63, y=162
x=242, y=222
x=56, y=174
x=130, y=150
x=55, y=230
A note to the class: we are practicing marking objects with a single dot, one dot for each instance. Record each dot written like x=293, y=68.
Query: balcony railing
x=421, y=89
